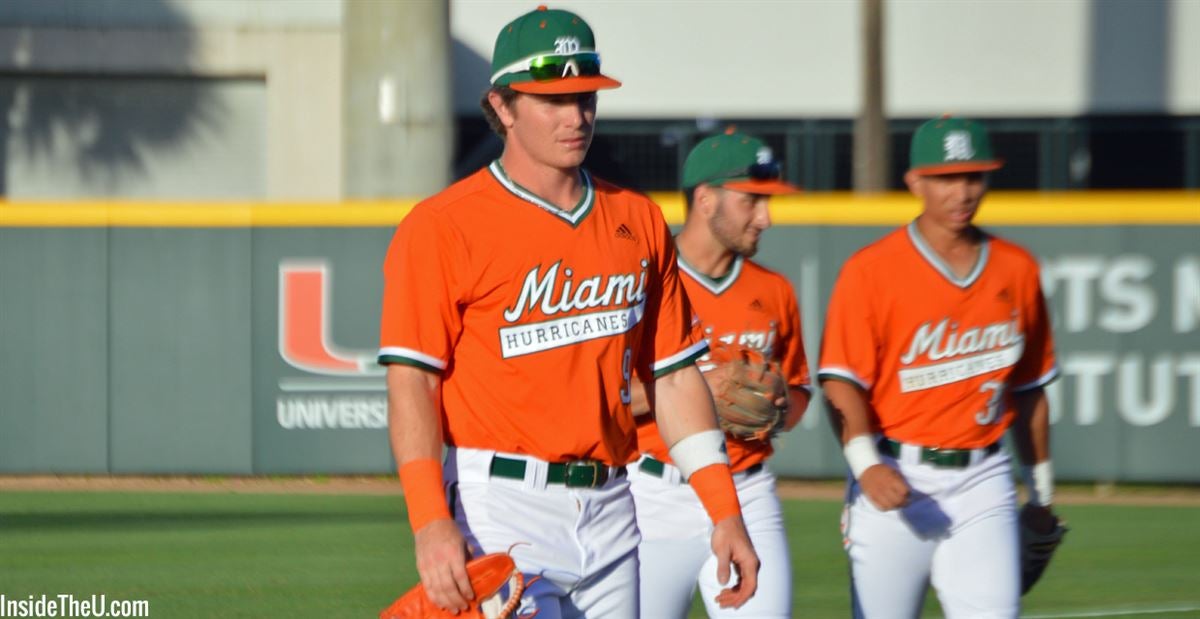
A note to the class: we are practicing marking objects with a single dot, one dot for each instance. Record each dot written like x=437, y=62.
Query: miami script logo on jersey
x=615, y=304
x=956, y=355
x=761, y=341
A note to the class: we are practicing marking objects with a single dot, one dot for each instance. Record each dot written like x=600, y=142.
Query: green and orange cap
x=950, y=145
x=548, y=52
x=735, y=161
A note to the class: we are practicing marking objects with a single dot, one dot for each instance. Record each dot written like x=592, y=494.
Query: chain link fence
x=1116, y=152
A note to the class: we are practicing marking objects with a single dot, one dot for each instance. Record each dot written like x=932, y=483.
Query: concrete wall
x=233, y=99
x=761, y=58
x=266, y=96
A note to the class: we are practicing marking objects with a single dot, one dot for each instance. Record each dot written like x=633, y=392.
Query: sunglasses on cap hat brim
x=760, y=178
x=558, y=74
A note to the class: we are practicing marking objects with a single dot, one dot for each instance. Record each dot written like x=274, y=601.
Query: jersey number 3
x=992, y=413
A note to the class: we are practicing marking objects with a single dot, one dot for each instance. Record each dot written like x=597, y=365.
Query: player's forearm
x=683, y=405
x=798, y=400
x=414, y=424
x=849, y=410
x=414, y=427
x=1032, y=426
x=1032, y=432
x=687, y=421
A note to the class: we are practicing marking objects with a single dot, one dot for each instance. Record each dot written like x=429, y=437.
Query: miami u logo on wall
x=304, y=319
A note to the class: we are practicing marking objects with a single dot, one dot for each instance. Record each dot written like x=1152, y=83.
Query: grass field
x=328, y=555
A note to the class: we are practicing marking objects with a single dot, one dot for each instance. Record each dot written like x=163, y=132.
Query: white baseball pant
x=676, y=550
x=958, y=533
x=580, y=543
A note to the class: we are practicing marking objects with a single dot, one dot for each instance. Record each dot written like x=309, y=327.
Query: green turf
x=226, y=555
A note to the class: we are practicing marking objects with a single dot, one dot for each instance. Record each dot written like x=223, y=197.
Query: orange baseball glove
x=497, y=585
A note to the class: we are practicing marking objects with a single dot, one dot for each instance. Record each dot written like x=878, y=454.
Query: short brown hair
x=507, y=95
x=689, y=199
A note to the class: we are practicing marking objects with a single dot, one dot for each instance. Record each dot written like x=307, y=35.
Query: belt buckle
x=947, y=458
x=597, y=479
x=931, y=455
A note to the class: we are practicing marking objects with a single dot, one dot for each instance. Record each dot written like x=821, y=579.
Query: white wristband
x=861, y=454
x=699, y=450
x=1039, y=481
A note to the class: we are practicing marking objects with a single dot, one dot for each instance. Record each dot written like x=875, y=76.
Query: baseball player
x=936, y=341
x=519, y=305
x=728, y=180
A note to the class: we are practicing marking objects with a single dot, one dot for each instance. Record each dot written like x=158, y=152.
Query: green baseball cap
x=735, y=161
x=950, y=145
x=548, y=51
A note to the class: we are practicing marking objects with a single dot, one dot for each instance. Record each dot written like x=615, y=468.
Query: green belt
x=653, y=467
x=945, y=458
x=577, y=474
x=657, y=468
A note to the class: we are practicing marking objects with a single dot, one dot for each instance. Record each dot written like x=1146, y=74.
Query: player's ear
x=506, y=112
x=706, y=199
x=913, y=180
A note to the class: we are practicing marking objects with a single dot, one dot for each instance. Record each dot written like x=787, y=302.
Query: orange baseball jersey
x=752, y=307
x=535, y=317
x=938, y=355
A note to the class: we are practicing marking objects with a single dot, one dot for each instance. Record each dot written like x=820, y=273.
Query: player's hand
x=714, y=377
x=1039, y=519
x=885, y=487
x=442, y=564
x=731, y=545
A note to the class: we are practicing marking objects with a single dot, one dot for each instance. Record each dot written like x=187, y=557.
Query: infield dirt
x=1066, y=494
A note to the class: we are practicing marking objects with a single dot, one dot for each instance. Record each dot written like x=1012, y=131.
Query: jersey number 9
x=627, y=374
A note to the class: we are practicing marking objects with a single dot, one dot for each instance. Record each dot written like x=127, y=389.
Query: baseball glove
x=1037, y=548
x=497, y=585
x=747, y=390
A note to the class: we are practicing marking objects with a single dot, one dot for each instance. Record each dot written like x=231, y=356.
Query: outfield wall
x=239, y=338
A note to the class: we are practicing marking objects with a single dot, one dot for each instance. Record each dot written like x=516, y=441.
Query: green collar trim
x=573, y=216
x=940, y=265
x=715, y=285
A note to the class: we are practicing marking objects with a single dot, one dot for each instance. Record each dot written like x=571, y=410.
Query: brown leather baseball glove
x=494, y=578
x=749, y=391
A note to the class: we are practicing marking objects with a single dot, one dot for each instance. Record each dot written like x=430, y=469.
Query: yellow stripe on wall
x=1096, y=208
x=203, y=215
x=999, y=208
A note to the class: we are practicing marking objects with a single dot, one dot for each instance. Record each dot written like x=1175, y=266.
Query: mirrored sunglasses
x=769, y=171
x=546, y=67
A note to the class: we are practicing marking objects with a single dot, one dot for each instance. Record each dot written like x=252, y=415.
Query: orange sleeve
x=421, y=293
x=1037, y=366
x=673, y=336
x=424, y=492
x=717, y=493
x=794, y=362
x=848, y=347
